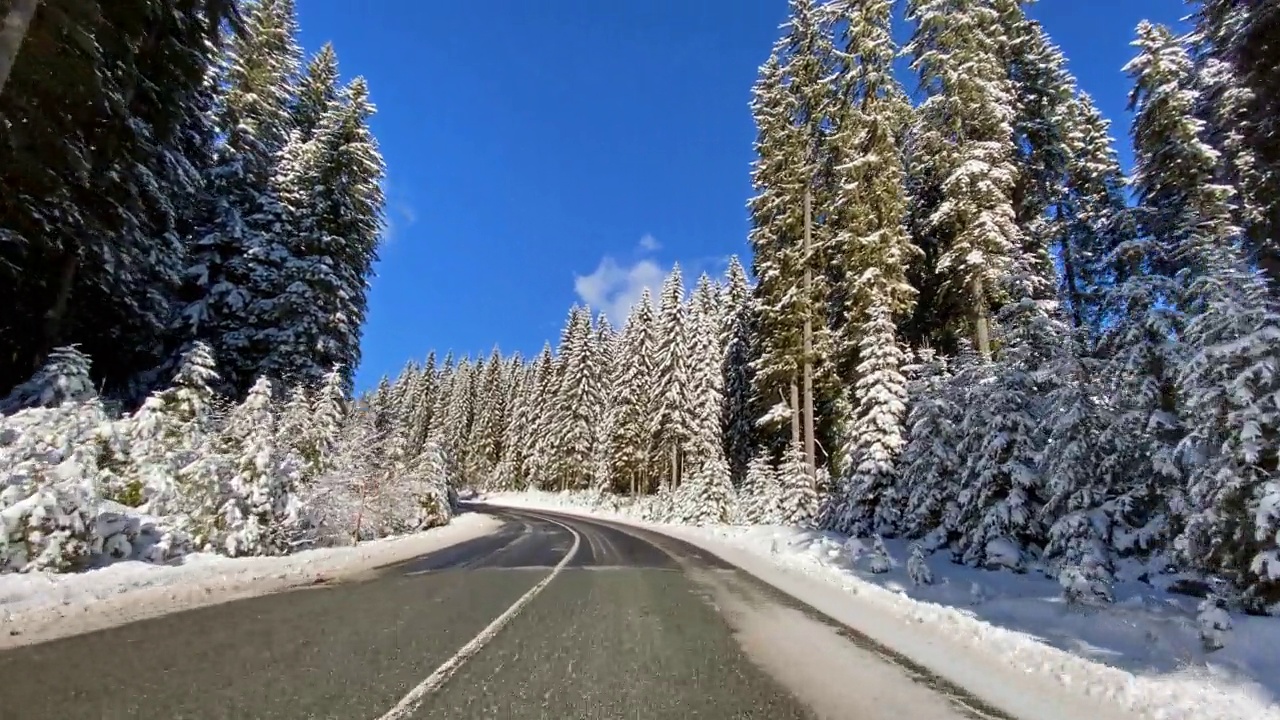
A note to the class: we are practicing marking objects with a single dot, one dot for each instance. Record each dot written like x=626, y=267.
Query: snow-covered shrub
x=758, y=496
x=917, y=568
x=45, y=528
x=1214, y=623
x=170, y=431
x=64, y=378
x=706, y=497
x=261, y=514
x=1078, y=551
x=49, y=460
x=798, y=496
x=880, y=561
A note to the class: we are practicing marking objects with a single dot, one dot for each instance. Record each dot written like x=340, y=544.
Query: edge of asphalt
x=1005, y=689
x=102, y=607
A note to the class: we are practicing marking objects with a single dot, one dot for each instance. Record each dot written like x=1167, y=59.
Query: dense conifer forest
x=963, y=322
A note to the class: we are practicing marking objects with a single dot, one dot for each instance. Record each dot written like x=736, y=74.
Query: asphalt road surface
x=552, y=617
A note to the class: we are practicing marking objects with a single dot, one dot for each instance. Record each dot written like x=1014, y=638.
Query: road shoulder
x=40, y=607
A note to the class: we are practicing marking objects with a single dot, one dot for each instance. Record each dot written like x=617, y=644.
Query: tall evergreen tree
x=673, y=379
x=1096, y=217
x=739, y=416
x=234, y=250
x=578, y=400
x=98, y=168
x=874, y=251
x=965, y=130
x=1235, y=42
x=792, y=106
x=633, y=391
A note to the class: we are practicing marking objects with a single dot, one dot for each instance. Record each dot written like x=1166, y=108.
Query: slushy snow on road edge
x=1017, y=671
x=35, y=607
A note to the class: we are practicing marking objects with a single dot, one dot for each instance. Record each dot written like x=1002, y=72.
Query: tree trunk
x=795, y=412
x=675, y=467
x=809, y=457
x=56, y=315
x=355, y=535
x=1074, y=296
x=12, y=33
x=981, y=320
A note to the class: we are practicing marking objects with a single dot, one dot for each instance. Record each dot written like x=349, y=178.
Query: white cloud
x=649, y=243
x=614, y=288
x=398, y=214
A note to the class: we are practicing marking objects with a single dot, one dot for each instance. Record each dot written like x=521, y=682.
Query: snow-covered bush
x=63, y=378
x=706, y=497
x=187, y=471
x=917, y=568
x=880, y=562
x=1214, y=623
x=261, y=513
x=46, y=528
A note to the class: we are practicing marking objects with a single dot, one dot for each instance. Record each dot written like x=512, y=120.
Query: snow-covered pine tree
x=577, y=403
x=1079, y=487
x=484, y=443
x=423, y=402
x=1236, y=67
x=673, y=380
x=1002, y=438
x=871, y=250
x=792, y=105
x=1228, y=386
x=540, y=463
x=262, y=514
x=233, y=248
x=295, y=418
x=402, y=389
x=1147, y=302
x=1042, y=92
x=64, y=377
x=877, y=433
x=330, y=210
x=965, y=132
x=460, y=418
x=167, y=433
x=1096, y=219
x=759, y=497
x=633, y=389
x=316, y=91
x=604, y=354
x=707, y=497
x=329, y=414
x=929, y=461
x=707, y=346
x=739, y=413
x=797, y=502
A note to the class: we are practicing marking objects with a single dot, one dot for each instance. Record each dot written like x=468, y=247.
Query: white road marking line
x=410, y=702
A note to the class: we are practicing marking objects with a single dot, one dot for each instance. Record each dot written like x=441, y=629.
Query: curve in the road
x=410, y=702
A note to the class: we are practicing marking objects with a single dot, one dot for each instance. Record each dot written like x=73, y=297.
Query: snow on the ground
x=1009, y=638
x=35, y=607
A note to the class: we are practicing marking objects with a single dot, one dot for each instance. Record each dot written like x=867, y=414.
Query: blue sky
x=542, y=153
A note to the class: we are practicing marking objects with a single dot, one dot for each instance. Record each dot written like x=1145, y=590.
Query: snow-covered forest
x=963, y=323
x=968, y=326
x=190, y=218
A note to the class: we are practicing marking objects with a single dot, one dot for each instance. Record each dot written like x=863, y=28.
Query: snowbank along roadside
x=1007, y=638
x=35, y=607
